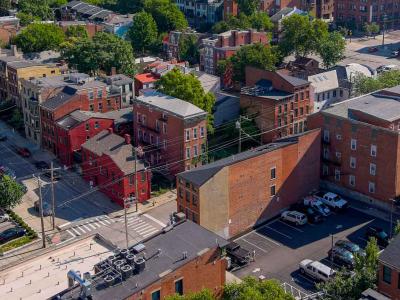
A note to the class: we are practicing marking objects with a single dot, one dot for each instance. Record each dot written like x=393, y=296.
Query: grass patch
x=17, y=243
x=159, y=192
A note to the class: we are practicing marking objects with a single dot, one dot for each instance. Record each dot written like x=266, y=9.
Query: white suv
x=294, y=217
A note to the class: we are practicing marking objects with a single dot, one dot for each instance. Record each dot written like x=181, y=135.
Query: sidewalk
x=377, y=212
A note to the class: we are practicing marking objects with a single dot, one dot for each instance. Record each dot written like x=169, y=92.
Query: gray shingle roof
x=63, y=97
x=170, y=104
x=295, y=81
x=391, y=255
x=184, y=237
x=276, y=17
x=114, y=146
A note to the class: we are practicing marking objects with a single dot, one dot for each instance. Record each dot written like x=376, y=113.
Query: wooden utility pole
x=41, y=211
x=126, y=201
x=136, y=179
x=53, y=202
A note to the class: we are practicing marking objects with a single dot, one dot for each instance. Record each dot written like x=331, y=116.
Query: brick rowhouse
x=279, y=103
x=234, y=194
x=389, y=270
x=108, y=162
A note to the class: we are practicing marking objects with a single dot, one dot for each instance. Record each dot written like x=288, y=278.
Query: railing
x=300, y=295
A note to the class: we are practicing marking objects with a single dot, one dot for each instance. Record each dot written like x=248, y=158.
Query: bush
x=16, y=243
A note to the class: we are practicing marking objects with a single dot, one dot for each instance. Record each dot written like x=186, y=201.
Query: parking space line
x=250, y=243
x=297, y=229
x=305, y=278
x=269, y=240
x=285, y=235
x=73, y=235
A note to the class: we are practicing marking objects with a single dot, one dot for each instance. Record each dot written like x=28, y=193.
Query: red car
x=24, y=152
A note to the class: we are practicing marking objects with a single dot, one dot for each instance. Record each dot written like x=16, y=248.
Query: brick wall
x=392, y=290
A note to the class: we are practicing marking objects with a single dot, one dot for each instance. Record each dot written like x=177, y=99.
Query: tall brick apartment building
x=279, y=103
x=172, y=132
x=353, y=14
x=234, y=194
x=361, y=146
x=389, y=270
x=94, y=96
x=224, y=45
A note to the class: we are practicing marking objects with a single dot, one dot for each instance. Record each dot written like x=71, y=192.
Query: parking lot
x=279, y=247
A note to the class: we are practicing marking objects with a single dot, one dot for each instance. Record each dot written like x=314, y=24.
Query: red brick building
x=389, y=270
x=93, y=96
x=145, y=81
x=107, y=161
x=353, y=14
x=171, y=131
x=279, y=103
x=224, y=45
x=361, y=146
x=250, y=187
x=79, y=126
x=182, y=260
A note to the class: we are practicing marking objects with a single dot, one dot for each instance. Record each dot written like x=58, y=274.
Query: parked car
x=3, y=138
x=4, y=217
x=24, y=152
x=11, y=234
x=333, y=200
x=7, y=171
x=372, y=49
x=317, y=204
x=40, y=165
x=238, y=255
x=386, y=68
x=394, y=53
x=313, y=216
x=349, y=246
x=316, y=270
x=342, y=257
x=294, y=217
x=381, y=236
x=47, y=211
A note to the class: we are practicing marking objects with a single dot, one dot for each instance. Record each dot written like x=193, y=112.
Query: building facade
x=171, y=42
x=389, y=270
x=279, y=103
x=108, y=162
x=201, y=12
x=234, y=194
x=171, y=131
x=360, y=146
x=224, y=45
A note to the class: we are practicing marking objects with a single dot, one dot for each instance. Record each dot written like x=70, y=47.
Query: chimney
x=113, y=71
x=110, y=130
x=127, y=139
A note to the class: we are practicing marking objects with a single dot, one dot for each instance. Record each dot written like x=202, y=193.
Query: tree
x=143, y=33
x=188, y=49
x=374, y=29
x=345, y=286
x=26, y=19
x=78, y=32
x=36, y=8
x=187, y=87
x=252, y=288
x=331, y=49
x=258, y=20
x=5, y=5
x=248, y=7
x=38, y=37
x=17, y=119
x=261, y=21
x=364, y=85
x=126, y=7
x=202, y=295
x=166, y=14
x=367, y=29
x=396, y=229
x=10, y=192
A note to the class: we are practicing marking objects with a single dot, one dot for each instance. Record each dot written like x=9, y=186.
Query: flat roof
x=164, y=254
x=46, y=275
x=264, y=89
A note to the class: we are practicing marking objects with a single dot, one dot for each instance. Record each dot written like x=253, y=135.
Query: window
x=272, y=190
x=352, y=180
x=201, y=131
x=187, y=196
x=325, y=170
x=188, y=153
x=195, y=133
x=353, y=144
x=100, y=106
x=398, y=282
x=91, y=107
x=91, y=95
x=87, y=126
x=387, y=274
x=273, y=173
x=195, y=151
x=352, y=162
x=187, y=135
x=326, y=153
x=373, y=150
x=164, y=128
x=179, y=287
x=156, y=295
x=372, y=169
x=371, y=187
x=338, y=155
x=339, y=137
x=99, y=93
x=337, y=174
x=130, y=180
x=96, y=125
x=194, y=199
x=326, y=135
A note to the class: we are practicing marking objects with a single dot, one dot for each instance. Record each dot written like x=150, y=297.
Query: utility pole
x=53, y=204
x=332, y=252
x=136, y=178
x=239, y=126
x=41, y=211
x=383, y=31
x=126, y=201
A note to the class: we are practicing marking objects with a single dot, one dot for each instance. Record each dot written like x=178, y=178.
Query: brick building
x=9, y=25
x=171, y=131
x=108, y=162
x=171, y=42
x=91, y=28
x=279, y=103
x=353, y=14
x=93, y=96
x=201, y=13
x=172, y=258
x=389, y=270
x=361, y=146
x=250, y=187
x=224, y=45
x=79, y=126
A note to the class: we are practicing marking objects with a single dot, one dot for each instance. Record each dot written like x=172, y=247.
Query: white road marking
x=139, y=226
x=150, y=233
x=155, y=220
x=269, y=240
x=305, y=278
x=87, y=228
x=97, y=225
x=111, y=220
x=289, y=237
x=81, y=229
x=136, y=223
x=91, y=225
x=250, y=243
x=76, y=231
x=108, y=222
x=100, y=221
x=144, y=229
x=60, y=243
x=142, y=232
x=73, y=235
x=297, y=229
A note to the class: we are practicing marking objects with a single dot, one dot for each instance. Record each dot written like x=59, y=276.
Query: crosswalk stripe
x=87, y=228
x=91, y=225
x=150, y=233
x=73, y=235
x=136, y=224
x=76, y=231
x=144, y=228
x=111, y=220
x=139, y=226
x=143, y=231
x=81, y=229
x=97, y=225
x=135, y=221
x=100, y=221
x=108, y=222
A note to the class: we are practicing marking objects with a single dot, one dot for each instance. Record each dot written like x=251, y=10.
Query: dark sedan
x=349, y=246
x=381, y=236
x=11, y=234
x=342, y=257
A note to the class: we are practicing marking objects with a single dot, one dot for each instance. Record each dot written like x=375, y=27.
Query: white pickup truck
x=317, y=204
x=333, y=200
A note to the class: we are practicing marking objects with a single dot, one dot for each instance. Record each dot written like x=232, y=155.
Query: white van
x=316, y=270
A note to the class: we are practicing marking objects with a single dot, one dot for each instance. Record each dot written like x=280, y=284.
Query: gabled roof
x=391, y=255
x=146, y=77
x=325, y=81
x=62, y=97
x=295, y=81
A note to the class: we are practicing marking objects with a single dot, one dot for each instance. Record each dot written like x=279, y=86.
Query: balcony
x=156, y=130
x=335, y=162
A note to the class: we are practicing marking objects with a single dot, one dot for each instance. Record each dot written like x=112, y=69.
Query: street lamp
x=383, y=31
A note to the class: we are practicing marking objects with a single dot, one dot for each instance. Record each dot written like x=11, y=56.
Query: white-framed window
x=353, y=162
x=326, y=153
x=326, y=135
x=338, y=155
x=371, y=187
x=353, y=144
x=195, y=133
x=187, y=152
x=187, y=134
x=337, y=174
x=272, y=190
x=372, y=169
x=373, y=150
x=352, y=180
x=195, y=151
x=202, y=132
x=325, y=170
x=143, y=119
x=273, y=173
